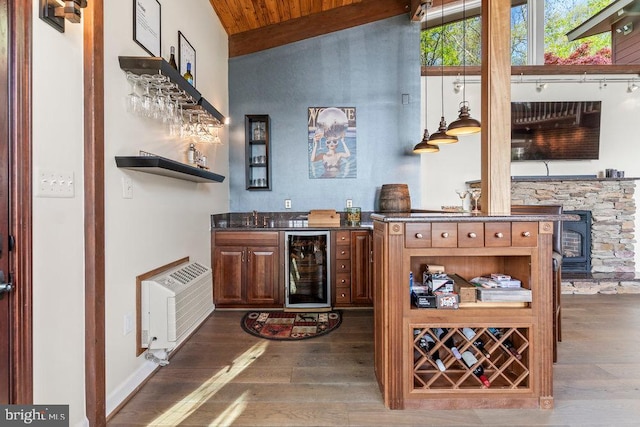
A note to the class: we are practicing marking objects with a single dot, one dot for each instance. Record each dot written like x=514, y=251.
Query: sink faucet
x=255, y=218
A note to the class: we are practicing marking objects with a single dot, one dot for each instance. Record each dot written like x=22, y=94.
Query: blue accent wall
x=369, y=67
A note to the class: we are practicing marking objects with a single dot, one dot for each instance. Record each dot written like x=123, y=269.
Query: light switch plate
x=55, y=184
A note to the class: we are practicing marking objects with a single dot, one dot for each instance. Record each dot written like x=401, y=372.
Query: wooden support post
x=496, y=107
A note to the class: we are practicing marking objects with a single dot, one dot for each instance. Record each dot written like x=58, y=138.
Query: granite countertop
x=543, y=178
x=278, y=221
x=436, y=216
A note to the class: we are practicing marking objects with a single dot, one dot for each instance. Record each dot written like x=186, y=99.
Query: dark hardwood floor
x=225, y=377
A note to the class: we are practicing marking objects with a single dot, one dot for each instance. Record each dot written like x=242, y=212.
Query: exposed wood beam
x=315, y=25
x=496, y=107
x=539, y=70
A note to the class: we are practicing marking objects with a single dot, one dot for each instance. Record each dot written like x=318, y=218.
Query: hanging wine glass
x=134, y=103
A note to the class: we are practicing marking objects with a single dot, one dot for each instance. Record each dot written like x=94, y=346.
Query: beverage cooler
x=308, y=269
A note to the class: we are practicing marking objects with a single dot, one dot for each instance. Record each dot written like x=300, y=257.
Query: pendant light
x=441, y=137
x=424, y=146
x=465, y=124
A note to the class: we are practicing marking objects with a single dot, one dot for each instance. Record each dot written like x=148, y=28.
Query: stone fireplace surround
x=612, y=205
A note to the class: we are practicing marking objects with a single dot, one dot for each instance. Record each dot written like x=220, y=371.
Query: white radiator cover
x=173, y=304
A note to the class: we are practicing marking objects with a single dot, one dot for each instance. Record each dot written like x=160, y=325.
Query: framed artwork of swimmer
x=332, y=142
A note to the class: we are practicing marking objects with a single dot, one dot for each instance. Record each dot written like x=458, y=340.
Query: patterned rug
x=280, y=325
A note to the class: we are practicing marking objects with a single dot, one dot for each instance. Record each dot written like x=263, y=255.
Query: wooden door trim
x=94, y=236
x=20, y=140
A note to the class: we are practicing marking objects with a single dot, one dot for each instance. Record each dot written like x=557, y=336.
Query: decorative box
x=447, y=300
x=464, y=289
x=423, y=300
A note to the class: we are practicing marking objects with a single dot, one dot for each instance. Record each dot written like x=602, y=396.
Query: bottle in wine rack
x=188, y=76
x=470, y=335
x=508, y=344
x=470, y=360
x=426, y=343
x=440, y=333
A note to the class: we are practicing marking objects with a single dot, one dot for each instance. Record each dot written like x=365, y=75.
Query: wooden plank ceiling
x=255, y=25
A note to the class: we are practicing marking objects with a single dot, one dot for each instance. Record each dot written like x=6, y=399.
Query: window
x=559, y=18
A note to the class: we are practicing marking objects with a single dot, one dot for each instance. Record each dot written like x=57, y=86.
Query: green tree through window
x=561, y=16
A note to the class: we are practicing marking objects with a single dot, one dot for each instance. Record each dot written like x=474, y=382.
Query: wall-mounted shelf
x=166, y=167
x=153, y=65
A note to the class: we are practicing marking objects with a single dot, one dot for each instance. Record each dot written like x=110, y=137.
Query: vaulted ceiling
x=255, y=25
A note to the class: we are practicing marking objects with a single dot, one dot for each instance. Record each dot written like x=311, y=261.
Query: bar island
x=507, y=346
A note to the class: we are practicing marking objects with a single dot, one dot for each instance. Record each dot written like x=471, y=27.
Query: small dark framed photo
x=187, y=55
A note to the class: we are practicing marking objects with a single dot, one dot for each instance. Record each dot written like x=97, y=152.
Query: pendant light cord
x=442, y=57
x=464, y=52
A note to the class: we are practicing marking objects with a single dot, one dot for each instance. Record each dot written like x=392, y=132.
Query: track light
x=541, y=86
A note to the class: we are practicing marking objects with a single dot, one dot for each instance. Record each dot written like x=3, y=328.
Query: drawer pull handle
x=526, y=234
x=342, y=252
x=472, y=235
x=343, y=266
x=343, y=281
x=445, y=235
x=499, y=235
x=343, y=295
x=419, y=236
x=343, y=238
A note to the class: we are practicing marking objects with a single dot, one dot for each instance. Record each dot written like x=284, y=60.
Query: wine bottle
x=470, y=360
x=188, y=77
x=427, y=343
x=470, y=334
x=172, y=58
x=508, y=344
x=440, y=333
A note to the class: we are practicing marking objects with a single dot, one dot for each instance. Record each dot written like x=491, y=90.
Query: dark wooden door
x=262, y=275
x=5, y=302
x=228, y=274
x=361, y=267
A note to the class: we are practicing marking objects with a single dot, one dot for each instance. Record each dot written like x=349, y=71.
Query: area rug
x=290, y=326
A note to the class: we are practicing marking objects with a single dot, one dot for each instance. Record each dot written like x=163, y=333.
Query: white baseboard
x=127, y=388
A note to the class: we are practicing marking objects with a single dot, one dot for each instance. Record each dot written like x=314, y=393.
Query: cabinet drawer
x=444, y=235
x=343, y=252
x=343, y=237
x=524, y=234
x=497, y=234
x=343, y=266
x=343, y=279
x=343, y=295
x=470, y=235
x=417, y=235
x=247, y=238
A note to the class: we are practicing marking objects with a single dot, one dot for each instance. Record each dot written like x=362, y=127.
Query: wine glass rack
x=504, y=359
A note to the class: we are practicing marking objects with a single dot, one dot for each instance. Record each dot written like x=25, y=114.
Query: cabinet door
x=227, y=274
x=361, y=267
x=262, y=275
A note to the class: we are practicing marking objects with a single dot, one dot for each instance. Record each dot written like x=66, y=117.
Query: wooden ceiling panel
x=254, y=25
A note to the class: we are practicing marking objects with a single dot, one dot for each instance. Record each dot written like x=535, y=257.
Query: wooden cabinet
x=517, y=354
x=246, y=269
x=352, y=268
x=258, y=152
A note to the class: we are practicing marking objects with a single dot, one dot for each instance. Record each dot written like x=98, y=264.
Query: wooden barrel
x=395, y=198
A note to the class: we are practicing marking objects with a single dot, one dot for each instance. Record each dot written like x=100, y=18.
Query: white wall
x=457, y=163
x=166, y=219
x=58, y=245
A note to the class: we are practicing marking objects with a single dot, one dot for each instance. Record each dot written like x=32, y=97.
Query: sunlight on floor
x=233, y=411
x=191, y=402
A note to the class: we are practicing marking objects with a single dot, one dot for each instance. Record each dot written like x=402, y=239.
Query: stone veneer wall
x=613, y=209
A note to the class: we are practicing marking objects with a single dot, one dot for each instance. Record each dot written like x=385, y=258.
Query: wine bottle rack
x=505, y=369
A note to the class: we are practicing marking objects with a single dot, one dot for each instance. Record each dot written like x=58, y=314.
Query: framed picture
x=331, y=141
x=146, y=25
x=187, y=54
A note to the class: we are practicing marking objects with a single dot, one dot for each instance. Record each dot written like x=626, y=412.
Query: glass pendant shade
x=441, y=136
x=465, y=124
x=424, y=146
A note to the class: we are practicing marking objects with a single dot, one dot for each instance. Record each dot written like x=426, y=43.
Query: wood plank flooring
x=226, y=377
